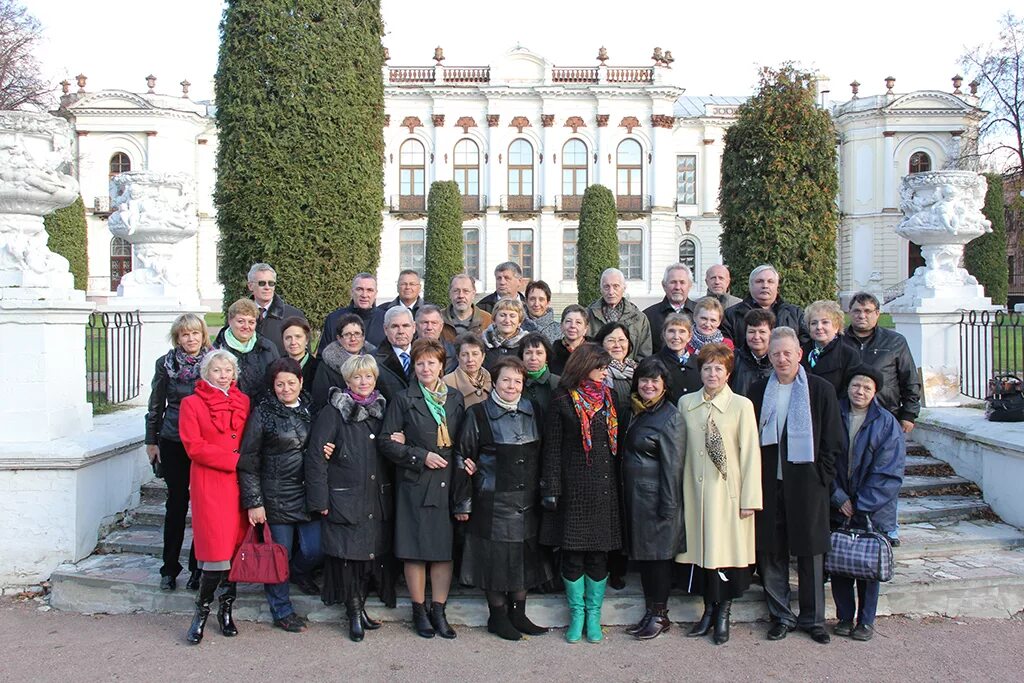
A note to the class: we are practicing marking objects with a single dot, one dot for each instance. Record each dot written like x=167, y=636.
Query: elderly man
x=394, y=358
x=764, y=294
x=751, y=362
x=273, y=310
x=409, y=288
x=363, y=304
x=718, y=278
x=507, y=277
x=462, y=316
x=801, y=435
x=677, y=282
x=614, y=307
x=430, y=325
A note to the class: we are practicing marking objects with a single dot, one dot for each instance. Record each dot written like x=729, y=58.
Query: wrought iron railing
x=408, y=202
x=633, y=202
x=513, y=203
x=991, y=345
x=474, y=203
x=569, y=203
x=113, y=344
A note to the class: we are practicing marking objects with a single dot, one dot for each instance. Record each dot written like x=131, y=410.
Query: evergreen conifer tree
x=444, y=241
x=68, y=237
x=985, y=257
x=597, y=242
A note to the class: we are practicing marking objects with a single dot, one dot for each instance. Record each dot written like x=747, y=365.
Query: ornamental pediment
x=110, y=99
x=928, y=99
x=519, y=66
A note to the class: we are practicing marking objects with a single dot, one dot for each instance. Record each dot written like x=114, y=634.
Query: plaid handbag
x=859, y=553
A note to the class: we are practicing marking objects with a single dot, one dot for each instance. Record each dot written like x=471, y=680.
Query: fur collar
x=352, y=411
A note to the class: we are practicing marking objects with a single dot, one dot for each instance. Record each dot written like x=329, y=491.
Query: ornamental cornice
x=884, y=115
x=105, y=113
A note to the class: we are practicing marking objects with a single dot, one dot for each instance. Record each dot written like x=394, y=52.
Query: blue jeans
x=866, y=600
x=309, y=556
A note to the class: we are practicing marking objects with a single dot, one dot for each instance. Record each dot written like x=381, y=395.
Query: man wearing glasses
x=273, y=309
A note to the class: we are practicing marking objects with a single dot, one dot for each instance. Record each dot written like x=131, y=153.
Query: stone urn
x=942, y=213
x=35, y=157
x=153, y=212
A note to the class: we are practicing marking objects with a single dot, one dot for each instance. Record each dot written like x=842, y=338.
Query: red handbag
x=257, y=562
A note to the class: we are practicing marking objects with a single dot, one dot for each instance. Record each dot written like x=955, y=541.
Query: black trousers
x=656, y=579
x=774, y=569
x=593, y=563
x=177, y=468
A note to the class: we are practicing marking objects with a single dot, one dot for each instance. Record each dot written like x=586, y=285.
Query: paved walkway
x=59, y=646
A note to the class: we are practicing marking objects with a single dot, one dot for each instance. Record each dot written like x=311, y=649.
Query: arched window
x=120, y=261
x=119, y=163
x=920, y=162
x=467, y=174
x=520, y=176
x=411, y=175
x=688, y=254
x=574, y=174
x=629, y=176
x=411, y=249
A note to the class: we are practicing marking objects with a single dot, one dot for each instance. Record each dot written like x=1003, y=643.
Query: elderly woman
x=652, y=463
x=470, y=378
x=535, y=350
x=272, y=481
x=684, y=378
x=721, y=489
x=502, y=554
x=175, y=378
x=579, y=485
x=295, y=338
x=503, y=335
x=867, y=485
x=349, y=340
x=430, y=416
x=575, y=323
x=826, y=354
x=254, y=352
x=210, y=425
x=538, y=308
x=354, y=492
x=707, y=319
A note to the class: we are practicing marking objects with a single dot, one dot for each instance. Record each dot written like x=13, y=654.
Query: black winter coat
x=588, y=515
x=272, y=326
x=328, y=373
x=806, y=487
x=747, y=370
x=328, y=333
x=656, y=315
x=165, y=402
x=887, y=350
x=560, y=356
x=252, y=366
x=270, y=466
x=423, y=522
x=652, y=470
x=355, y=484
x=835, y=364
x=786, y=315
x=683, y=379
x=539, y=393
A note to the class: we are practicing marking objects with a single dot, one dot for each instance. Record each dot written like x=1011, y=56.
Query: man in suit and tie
x=393, y=356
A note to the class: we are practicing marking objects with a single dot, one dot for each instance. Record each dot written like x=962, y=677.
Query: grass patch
x=215, y=319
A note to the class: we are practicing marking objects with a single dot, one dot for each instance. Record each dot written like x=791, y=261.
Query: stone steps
x=917, y=484
x=939, y=508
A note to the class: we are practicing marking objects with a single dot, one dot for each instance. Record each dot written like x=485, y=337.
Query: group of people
x=489, y=443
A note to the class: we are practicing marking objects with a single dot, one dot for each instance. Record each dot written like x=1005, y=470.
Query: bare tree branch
x=21, y=84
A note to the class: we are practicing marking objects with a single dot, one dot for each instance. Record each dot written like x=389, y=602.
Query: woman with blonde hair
x=254, y=352
x=707, y=322
x=827, y=355
x=505, y=332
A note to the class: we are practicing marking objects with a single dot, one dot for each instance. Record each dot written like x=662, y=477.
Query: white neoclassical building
x=523, y=138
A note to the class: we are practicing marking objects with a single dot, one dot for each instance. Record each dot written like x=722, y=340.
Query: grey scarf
x=799, y=430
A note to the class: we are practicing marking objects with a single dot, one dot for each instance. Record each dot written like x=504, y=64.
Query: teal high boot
x=574, y=596
x=593, y=598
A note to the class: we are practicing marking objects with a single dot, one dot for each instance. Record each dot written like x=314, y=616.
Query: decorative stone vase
x=35, y=155
x=153, y=211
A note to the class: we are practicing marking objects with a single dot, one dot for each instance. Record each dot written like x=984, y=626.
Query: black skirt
x=504, y=566
x=716, y=585
x=347, y=579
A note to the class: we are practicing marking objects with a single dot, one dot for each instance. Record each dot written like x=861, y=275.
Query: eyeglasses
x=351, y=335
x=266, y=283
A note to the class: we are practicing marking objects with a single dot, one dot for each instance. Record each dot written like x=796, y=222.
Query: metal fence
x=113, y=343
x=991, y=345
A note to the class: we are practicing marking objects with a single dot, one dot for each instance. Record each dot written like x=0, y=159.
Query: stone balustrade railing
x=424, y=75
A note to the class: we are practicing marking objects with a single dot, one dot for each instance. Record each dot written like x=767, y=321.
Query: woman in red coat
x=211, y=424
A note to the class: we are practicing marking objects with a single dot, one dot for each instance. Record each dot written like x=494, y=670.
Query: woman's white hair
x=214, y=356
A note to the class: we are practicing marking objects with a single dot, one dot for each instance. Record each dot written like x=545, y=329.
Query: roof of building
x=696, y=106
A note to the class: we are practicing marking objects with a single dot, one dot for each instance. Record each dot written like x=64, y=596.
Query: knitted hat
x=872, y=373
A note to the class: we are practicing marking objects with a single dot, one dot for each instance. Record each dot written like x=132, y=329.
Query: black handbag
x=860, y=553
x=1005, y=399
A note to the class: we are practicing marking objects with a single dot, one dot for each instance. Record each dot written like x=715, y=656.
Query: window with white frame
x=471, y=252
x=686, y=179
x=411, y=249
x=569, y=237
x=520, y=250
x=631, y=253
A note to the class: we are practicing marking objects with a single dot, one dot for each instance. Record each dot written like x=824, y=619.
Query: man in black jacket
x=409, y=288
x=394, y=357
x=262, y=283
x=363, y=304
x=507, y=277
x=677, y=282
x=764, y=294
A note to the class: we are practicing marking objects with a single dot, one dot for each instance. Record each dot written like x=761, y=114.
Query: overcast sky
x=717, y=46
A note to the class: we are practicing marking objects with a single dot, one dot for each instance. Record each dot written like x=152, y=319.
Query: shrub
x=597, y=242
x=68, y=237
x=985, y=257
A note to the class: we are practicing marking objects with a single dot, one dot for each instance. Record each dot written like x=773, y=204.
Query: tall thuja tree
x=778, y=189
x=597, y=241
x=444, y=240
x=68, y=233
x=300, y=114
x=985, y=257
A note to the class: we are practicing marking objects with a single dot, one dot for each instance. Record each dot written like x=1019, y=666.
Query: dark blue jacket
x=873, y=478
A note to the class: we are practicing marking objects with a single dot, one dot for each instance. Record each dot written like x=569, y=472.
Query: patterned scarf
x=713, y=443
x=642, y=406
x=477, y=385
x=698, y=340
x=363, y=400
x=183, y=367
x=613, y=313
x=435, y=402
x=622, y=369
x=587, y=399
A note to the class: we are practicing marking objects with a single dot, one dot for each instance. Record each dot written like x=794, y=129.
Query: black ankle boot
x=439, y=620
x=703, y=627
x=207, y=588
x=420, y=622
x=194, y=577
x=657, y=624
x=500, y=625
x=638, y=626
x=224, y=616
x=354, y=611
x=517, y=615
x=722, y=622
x=368, y=623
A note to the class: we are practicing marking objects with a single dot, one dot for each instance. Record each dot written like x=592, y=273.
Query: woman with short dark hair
x=295, y=338
x=614, y=337
x=253, y=351
x=539, y=311
x=349, y=340
x=470, y=378
x=535, y=351
x=575, y=323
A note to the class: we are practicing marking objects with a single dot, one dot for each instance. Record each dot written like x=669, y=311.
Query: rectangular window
x=520, y=250
x=569, y=253
x=471, y=252
x=468, y=180
x=631, y=256
x=686, y=179
x=411, y=182
x=411, y=249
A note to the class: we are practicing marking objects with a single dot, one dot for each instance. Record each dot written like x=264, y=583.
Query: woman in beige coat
x=722, y=489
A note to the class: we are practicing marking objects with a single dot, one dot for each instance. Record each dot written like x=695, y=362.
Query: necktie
x=812, y=357
x=404, y=357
